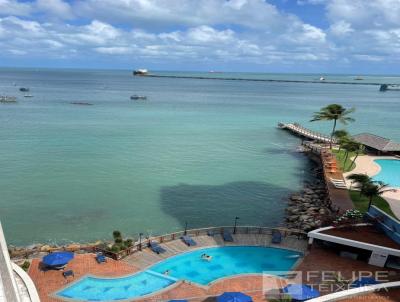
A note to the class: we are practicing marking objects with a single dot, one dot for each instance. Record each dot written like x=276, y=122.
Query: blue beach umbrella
x=364, y=281
x=301, y=292
x=234, y=297
x=58, y=258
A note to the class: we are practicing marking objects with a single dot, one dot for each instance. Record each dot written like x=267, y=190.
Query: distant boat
x=82, y=103
x=7, y=99
x=322, y=79
x=141, y=72
x=24, y=89
x=138, y=97
x=385, y=87
x=28, y=96
x=358, y=78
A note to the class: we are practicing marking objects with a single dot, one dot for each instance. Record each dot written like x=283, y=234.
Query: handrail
x=137, y=246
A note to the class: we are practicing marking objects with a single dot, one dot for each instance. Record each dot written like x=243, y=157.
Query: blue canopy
x=364, y=281
x=58, y=258
x=301, y=292
x=234, y=297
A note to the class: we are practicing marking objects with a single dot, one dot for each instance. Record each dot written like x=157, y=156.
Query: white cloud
x=11, y=7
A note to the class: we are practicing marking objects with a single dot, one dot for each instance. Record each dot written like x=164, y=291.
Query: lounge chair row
x=226, y=235
x=338, y=183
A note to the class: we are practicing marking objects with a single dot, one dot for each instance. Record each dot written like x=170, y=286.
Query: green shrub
x=128, y=242
x=25, y=266
x=117, y=235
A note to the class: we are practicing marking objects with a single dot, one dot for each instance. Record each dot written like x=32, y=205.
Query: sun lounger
x=68, y=273
x=188, y=240
x=227, y=236
x=276, y=237
x=100, y=258
x=339, y=185
x=156, y=248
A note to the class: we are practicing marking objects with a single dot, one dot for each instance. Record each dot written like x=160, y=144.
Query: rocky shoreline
x=309, y=208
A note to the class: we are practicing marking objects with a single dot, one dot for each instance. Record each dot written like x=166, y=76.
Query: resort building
x=15, y=284
x=377, y=144
x=378, y=242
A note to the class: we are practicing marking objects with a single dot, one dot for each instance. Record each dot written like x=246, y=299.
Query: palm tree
x=335, y=113
x=341, y=136
x=370, y=188
x=375, y=189
x=350, y=146
x=360, y=149
x=361, y=180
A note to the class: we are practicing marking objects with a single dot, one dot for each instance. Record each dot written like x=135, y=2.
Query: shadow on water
x=256, y=203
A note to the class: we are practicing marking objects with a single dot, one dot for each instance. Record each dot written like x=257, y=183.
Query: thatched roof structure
x=377, y=142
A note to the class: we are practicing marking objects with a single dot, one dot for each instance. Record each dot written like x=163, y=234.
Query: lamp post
x=140, y=241
x=186, y=225
x=234, y=228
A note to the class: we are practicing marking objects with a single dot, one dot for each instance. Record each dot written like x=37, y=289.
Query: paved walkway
x=365, y=165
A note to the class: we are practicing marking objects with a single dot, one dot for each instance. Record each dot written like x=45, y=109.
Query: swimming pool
x=390, y=171
x=225, y=261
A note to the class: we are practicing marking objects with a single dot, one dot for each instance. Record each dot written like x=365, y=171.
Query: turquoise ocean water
x=202, y=151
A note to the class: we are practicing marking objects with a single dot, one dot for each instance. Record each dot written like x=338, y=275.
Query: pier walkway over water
x=317, y=145
x=299, y=130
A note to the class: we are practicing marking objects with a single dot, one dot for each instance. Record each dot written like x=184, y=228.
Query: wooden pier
x=299, y=130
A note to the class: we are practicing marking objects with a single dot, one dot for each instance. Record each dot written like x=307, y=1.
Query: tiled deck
x=317, y=259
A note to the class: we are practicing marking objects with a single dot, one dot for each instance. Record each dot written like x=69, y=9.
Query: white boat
x=140, y=72
x=138, y=97
x=322, y=79
x=28, y=96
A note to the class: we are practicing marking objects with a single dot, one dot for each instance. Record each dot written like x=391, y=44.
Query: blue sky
x=317, y=36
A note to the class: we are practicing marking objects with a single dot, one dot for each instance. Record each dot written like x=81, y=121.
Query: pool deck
x=146, y=257
x=365, y=165
x=316, y=259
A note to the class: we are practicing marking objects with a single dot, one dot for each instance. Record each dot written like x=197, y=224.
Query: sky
x=304, y=36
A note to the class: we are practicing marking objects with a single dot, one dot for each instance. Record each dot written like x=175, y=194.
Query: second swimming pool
x=390, y=172
x=224, y=262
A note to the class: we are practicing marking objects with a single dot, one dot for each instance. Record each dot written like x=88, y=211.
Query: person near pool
x=206, y=257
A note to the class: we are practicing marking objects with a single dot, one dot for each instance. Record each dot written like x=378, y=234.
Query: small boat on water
x=28, y=96
x=322, y=79
x=358, y=78
x=24, y=89
x=138, y=97
x=82, y=103
x=140, y=72
x=386, y=87
x=7, y=99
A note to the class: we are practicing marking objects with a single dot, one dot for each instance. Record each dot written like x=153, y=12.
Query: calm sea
x=197, y=151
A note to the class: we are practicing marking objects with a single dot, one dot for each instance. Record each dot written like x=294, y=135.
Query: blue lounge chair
x=227, y=236
x=69, y=273
x=156, y=248
x=100, y=258
x=276, y=237
x=188, y=240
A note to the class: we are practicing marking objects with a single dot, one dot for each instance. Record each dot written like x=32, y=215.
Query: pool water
x=225, y=261
x=390, y=172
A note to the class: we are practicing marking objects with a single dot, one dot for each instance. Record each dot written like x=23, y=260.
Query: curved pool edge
x=177, y=281
x=172, y=286
x=396, y=186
